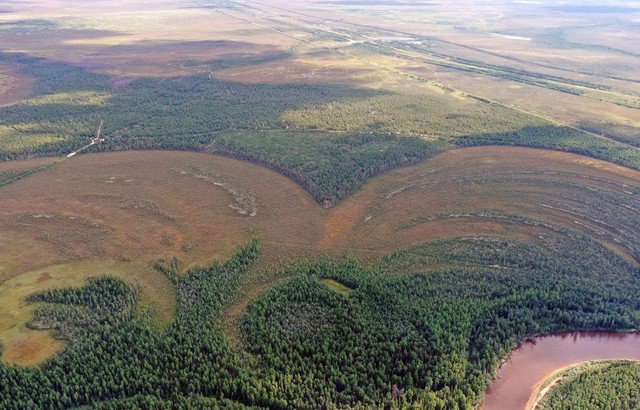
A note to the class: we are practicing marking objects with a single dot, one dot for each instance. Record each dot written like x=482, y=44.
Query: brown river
x=534, y=361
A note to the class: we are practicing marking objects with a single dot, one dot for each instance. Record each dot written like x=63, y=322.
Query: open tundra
x=314, y=204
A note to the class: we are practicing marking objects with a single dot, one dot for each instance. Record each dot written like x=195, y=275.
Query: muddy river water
x=535, y=360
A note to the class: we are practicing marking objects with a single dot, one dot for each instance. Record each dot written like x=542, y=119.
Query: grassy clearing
x=74, y=98
x=337, y=287
x=22, y=137
x=436, y=335
x=304, y=69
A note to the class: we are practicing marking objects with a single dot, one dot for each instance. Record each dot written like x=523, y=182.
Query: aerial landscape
x=319, y=204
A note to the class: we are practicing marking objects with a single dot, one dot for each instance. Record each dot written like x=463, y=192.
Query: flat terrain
x=475, y=148
x=119, y=213
x=523, y=74
x=13, y=86
x=477, y=190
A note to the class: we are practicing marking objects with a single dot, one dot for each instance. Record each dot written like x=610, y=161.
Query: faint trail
x=94, y=141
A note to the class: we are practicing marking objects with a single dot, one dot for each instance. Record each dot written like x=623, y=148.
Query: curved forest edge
x=273, y=125
x=596, y=383
x=391, y=248
x=435, y=336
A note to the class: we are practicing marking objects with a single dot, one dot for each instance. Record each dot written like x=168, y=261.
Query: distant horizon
x=287, y=204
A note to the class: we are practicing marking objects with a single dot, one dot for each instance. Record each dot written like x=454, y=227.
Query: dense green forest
x=198, y=113
x=427, y=337
x=436, y=334
x=120, y=357
x=330, y=138
x=596, y=385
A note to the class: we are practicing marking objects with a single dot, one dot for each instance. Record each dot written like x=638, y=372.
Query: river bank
x=524, y=372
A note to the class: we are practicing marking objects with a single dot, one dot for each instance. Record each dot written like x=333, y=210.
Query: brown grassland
x=118, y=213
x=364, y=44
x=13, y=87
x=306, y=70
x=443, y=41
